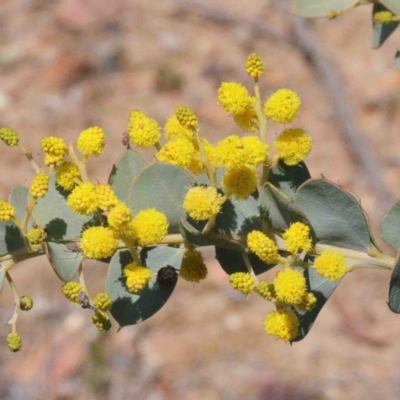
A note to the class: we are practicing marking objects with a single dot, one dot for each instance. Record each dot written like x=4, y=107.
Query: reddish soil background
x=69, y=64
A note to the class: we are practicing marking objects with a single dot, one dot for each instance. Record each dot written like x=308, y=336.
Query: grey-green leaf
x=124, y=171
x=318, y=8
x=277, y=209
x=52, y=212
x=288, y=178
x=130, y=308
x=394, y=287
x=335, y=215
x=202, y=179
x=380, y=32
x=390, y=226
x=2, y=276
x=322, y=289
x=397, y=59
x=64, y=261
x=392, y=5
x=232, y=261
x=238, y=217
x=11, y=239
x=161, y=186
x=19, y=200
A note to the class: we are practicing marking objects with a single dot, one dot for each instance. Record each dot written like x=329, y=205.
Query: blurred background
x=66, y=65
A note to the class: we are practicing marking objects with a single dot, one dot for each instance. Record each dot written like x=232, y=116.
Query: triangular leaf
x=232, y=261
x=394, y=287
x=202, y=179
x=288, y=178
x=397, y=59
x=11, y=239
x=53, y=213
x=19, y=199
x=278, y=210
x=390, y=226
x=238, y=217
x=130, y=308
x=64, y=261
x=322, y=288
x=124, y=171
x=381, y=32
x=318, y=8
x=392, y=5
x=161, y=186
x=2, y=276
x=335, y=215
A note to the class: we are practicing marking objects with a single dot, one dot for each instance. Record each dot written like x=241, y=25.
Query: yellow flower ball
x=102, y=301
x=210, y=150
x=101, y=321
x=51, y=159
x=290, y=286
x=254, y=65
x=39, y=185
x=91, y=141
x=26, y=303
x=202, y=203
x=331, y=264
x=174, y=129
x=66, y=174
x=240, y=183
x=187, y=118
x=9, y=137
x=14, y=342
x=137, y=277
x=293, y=145
x=7, y=211
x=143, y=131
x=196, y=166
x=234, y=152
x=83, y=199
x=71, y=291
x=383, y=17
x=297, y=237
x=106, y=198
x=149, y=227
x=282, y=324
x=54, y=146
x=308, y=303
x=243, y=282
x=282, y=106
x=98, y=242
x=263, y=247
x=119, y=217
x=266, y=290
x=234, y=98
x=36, y=236
x=179, y=152
x=193, y=267
x=248, y=120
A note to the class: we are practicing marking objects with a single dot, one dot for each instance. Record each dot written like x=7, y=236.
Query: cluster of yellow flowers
x=289, y=288
x=245, y=160
x=240, y=156
x=76, y=293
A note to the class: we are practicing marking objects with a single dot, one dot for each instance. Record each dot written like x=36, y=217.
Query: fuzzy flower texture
x=240, y=157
